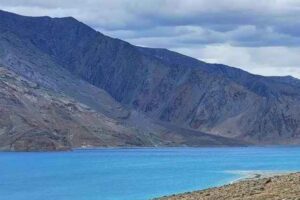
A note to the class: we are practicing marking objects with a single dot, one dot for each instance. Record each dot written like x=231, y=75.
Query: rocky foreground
x=278, y=187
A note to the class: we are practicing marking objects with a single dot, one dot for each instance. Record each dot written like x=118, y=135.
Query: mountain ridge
x=165, y=86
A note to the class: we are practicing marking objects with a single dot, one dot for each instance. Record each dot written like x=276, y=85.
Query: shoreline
x=247, y=185
x=91, y=148
x=245, y=175
x=180, y=147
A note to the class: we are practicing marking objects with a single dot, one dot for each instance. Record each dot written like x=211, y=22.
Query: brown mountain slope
x=33, y=118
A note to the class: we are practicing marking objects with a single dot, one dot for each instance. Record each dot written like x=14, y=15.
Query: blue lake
x=132, y=174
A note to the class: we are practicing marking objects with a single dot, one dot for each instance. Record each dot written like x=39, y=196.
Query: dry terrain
x=278, y=187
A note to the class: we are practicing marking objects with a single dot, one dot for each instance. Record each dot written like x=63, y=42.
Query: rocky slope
x=36, y=118
x=278, y=187
x=33, y=118
x=169, y=88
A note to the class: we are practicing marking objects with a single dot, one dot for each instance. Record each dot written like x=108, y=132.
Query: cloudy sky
x=262, y=37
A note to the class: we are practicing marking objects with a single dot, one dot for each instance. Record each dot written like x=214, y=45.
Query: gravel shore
x=271, y=188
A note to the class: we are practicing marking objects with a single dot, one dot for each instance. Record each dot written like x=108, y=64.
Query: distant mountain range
x=65, y=85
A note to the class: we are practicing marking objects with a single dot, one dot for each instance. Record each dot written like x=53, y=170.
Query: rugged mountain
x=45, y=107
x=35, y=118
x=170, y=88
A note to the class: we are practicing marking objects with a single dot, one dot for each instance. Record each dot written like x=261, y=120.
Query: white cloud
x=269, y=61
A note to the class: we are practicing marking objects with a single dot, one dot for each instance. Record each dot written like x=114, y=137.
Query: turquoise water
x=131, y=174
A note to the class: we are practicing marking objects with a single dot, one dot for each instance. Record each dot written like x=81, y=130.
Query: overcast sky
x=262, y=36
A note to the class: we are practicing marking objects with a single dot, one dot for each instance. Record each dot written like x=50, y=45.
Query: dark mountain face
x=167, y=87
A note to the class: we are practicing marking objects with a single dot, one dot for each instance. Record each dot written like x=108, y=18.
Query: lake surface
x=132, y=174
